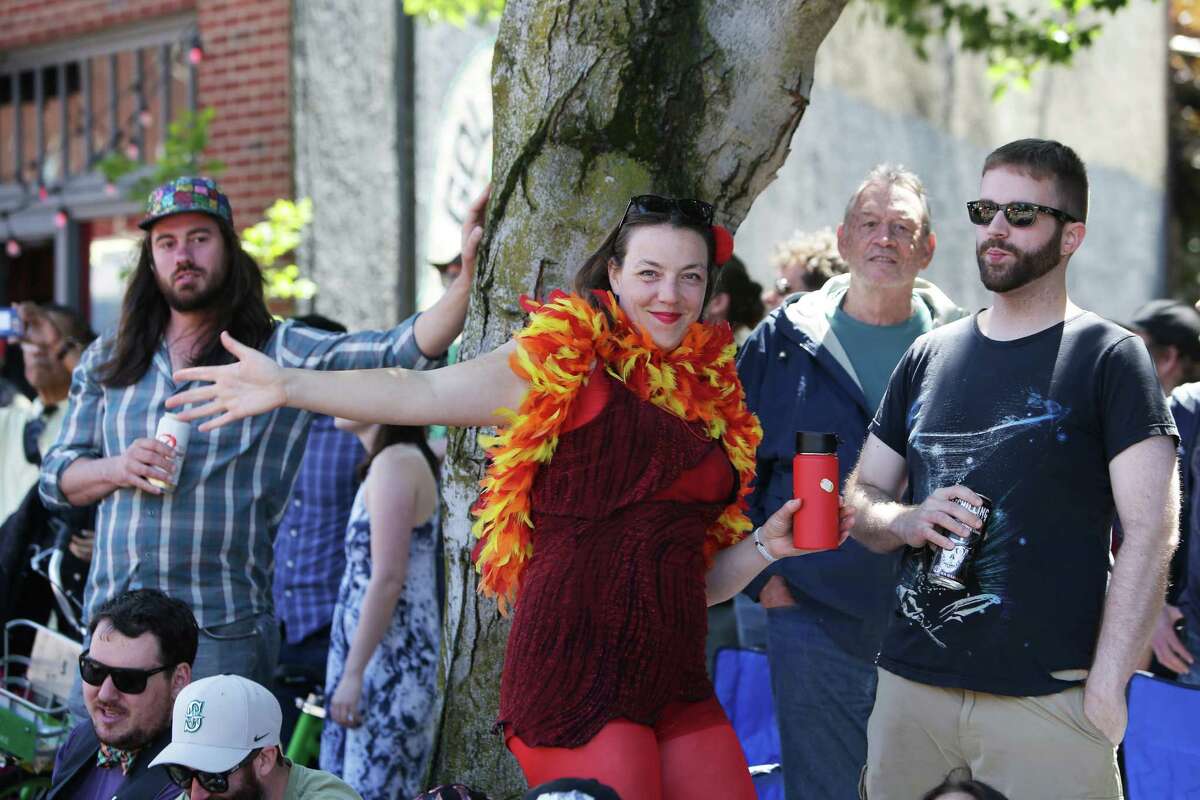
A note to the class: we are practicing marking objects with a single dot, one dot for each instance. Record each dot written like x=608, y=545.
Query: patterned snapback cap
x=187, y=195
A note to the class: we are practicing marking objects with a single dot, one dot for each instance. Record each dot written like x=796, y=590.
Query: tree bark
x=595, y=101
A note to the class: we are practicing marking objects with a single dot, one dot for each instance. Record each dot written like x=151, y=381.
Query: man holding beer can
x=1009, y=658
x=195, y=515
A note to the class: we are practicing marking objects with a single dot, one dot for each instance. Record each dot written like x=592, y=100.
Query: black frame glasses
x=125, y=679
x=214, y=782
x=1019, y=215
x=697, y=212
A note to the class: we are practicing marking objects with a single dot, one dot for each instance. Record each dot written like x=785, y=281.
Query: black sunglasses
x=127, y=681
x=214, y=782
x=1019, y=215
x=694, y=211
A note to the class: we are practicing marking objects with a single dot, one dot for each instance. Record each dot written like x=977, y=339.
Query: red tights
x=691, y=752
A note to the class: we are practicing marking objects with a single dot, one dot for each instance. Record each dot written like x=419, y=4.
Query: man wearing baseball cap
x=207, y=538
x=1171, y=331
x=225, y=744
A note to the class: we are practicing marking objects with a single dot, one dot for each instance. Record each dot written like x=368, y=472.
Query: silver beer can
x=951, y=568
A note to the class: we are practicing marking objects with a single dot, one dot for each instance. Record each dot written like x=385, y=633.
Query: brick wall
x=245, y=76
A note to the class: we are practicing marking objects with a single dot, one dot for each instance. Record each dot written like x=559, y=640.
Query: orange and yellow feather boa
x=556, y=352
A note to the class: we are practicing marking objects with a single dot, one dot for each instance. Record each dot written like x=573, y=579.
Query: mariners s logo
x=193, y=717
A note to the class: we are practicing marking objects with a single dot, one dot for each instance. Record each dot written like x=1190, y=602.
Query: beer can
x=174, y=433
x=951, y=568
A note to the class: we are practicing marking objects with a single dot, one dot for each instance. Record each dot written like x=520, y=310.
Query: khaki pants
x=1029, y=748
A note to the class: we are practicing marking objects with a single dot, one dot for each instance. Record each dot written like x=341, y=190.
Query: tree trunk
x=596, y=101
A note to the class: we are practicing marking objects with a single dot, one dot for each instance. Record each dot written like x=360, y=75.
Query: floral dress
x=386, y=756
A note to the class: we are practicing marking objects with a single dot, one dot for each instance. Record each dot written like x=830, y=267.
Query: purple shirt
x=104, y=783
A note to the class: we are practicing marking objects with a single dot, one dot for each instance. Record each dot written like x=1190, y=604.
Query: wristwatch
x=762, y=548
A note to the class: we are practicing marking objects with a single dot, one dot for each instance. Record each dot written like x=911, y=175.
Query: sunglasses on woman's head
x=127, y=681
x=694, y=211
x=1019, y=215
x=213, y=782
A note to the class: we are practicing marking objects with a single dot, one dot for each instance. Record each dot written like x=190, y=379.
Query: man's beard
x=196, y=301
x=251, y=788
x=138, y=737
x=1025, y=268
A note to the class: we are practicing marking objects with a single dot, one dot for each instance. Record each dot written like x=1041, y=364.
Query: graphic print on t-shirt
x=949, y=458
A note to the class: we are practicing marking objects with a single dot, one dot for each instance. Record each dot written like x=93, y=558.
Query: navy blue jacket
x=77, y=757
x=1185, y=565
x=797, y=376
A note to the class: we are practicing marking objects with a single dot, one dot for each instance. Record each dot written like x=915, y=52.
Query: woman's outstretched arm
x=461, y=395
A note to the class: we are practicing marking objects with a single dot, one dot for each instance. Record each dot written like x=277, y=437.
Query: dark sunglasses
x=213, y=782
x=127, y=681
x=694, y=211
x=1019, y=215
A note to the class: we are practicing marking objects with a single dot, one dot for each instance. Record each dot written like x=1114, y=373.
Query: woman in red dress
x=612, y=510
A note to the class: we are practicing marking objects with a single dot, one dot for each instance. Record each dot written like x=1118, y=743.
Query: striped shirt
x=209, y=543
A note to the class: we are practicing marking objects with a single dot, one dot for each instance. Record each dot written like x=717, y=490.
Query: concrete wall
x=344, y=119
x=345, y=123
x=875, y=101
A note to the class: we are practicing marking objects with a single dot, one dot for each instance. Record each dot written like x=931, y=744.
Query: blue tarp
x=1162, y=742
x=742, y=680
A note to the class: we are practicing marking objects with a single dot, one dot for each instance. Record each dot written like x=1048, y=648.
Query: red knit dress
x=611, y=620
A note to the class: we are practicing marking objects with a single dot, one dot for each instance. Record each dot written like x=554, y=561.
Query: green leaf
x=1017, y=41
x=275, y=237
x=454, y=12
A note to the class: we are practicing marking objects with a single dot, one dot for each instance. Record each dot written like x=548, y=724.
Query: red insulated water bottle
x=815, y=481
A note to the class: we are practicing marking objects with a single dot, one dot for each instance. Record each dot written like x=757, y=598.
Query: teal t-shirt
x=875, y=350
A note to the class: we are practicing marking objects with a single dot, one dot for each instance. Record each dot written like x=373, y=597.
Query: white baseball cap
x=217, y=721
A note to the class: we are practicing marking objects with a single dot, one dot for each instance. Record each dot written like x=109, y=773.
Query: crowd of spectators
x=294, y=553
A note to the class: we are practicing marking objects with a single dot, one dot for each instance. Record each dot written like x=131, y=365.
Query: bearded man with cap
x=225, y=744
x=208, y=542
x=1171, y=331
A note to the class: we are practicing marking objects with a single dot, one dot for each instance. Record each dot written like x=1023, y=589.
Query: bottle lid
x=811, y=442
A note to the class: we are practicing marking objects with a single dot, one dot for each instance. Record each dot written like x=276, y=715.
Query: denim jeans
x=247, y=647
x=823, y=699
x=751, y=623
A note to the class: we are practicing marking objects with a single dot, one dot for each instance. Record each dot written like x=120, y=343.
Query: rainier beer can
x=951, y=568
x=174, y=434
